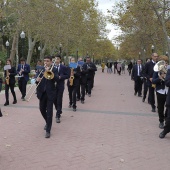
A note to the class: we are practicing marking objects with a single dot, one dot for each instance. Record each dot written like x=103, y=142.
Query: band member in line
x=91, y=67
x=10, y=82
x=23, y=70
x=73, y=84
x=167, y=121
x=63, y=74
x=46, y=92
x=161, y=92
x=149, y=74
x=145, y=85
x=137, y=75
x=83, y=81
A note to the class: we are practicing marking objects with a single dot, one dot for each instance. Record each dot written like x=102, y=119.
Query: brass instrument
x=71, y=77
x=7, y=77
x=160, y=67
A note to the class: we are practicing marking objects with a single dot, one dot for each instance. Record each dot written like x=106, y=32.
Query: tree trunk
x=16, y=49
x=31, y=47
x=13, y=50
x=43, y=52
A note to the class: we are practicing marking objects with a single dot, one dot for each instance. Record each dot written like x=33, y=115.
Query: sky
x=103, y=6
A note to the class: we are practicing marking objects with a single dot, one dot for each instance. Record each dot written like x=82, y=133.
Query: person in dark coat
x=149, y=74
x=130, y=66
x=161, y=92
x=63, y=74
x=10, y=84
x=23, y=70
x=73, y=85
x=46, y=92
x=167, y=121
x=137, y=76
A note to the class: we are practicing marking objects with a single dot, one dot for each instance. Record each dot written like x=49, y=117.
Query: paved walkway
x=113, y=130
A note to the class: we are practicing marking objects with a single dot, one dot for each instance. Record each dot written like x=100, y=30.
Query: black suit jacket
x=12, y=75
x=159, y=83
x=135, y=72
x=64, y=74
x=47, y=86
x=148, y=73
x=167, y=83
x=91, y=67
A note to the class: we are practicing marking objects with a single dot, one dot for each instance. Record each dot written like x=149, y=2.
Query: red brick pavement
x=113, y=130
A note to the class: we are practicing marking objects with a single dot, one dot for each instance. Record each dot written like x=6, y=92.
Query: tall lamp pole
x=77, y=54
x=39, y=49
x=7, y=48
x=152, y=47
x=139, y=54
x=22, y=35
x=60, y=48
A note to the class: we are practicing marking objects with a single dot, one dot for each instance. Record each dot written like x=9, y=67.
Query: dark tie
x=57, y=69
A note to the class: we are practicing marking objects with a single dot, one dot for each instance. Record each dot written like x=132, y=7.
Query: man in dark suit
x=63, y=74
x=167, y=121
x=23, y=70
x=91, y=67
x=83, y=81
x=10, y=83
x=46, y=92
x=137, y=76
x=149, y=74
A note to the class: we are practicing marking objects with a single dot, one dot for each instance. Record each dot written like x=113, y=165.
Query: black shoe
x=70, y=106
x=74, y=109
x=135, y=93
x=153, y=110
x=47, y=135
x=139, y=95
x=82, y=101
x=45, y=127
x=161, y=125
x=143, y=100
x=6, y=103
x=23, y=99
x=57, y=120
x=15, y=101
x=89, y=95
x=162, y=134
x=78, y=99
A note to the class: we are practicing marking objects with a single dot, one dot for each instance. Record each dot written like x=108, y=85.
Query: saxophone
x=7, y=77
x=71, y=77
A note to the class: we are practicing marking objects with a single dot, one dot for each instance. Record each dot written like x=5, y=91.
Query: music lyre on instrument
x=6, y=68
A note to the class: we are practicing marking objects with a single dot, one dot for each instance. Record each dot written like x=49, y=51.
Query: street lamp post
x=60, y=48
x=152, y=47
x=139, y=54
x=144, y=55
x=39, y=49
x=167, y=53
x=77, y=54
x=7, y=48
x=22, y=35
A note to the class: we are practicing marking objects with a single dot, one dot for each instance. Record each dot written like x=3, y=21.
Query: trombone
x=48, y=74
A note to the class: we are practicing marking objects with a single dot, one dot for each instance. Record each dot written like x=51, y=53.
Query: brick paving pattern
x=113, y=130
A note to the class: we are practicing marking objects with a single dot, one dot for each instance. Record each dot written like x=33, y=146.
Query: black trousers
x=161, y=99
x=152, y=96
x=11, y=87
x=81, y=91
x=145, y=85
x=59, y=101
x=72, y=95
x=46, y=109
x=138, y=85
x=22, y=83
x=167, y=122
x=89, y=85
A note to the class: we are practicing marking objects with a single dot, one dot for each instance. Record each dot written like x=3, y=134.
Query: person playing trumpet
x=10, y=82
x=46, y=92
x=161, y=91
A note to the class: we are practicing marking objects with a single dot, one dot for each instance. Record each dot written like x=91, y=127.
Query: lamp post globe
x=152, y=47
